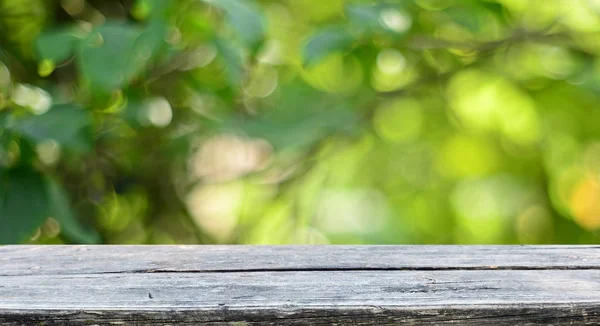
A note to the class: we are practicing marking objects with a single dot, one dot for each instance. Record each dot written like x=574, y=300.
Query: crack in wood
x=356, y=269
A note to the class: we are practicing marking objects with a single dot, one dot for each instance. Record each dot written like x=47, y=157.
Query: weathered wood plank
x=228, y=297
x=37, y=260
x=517, y=315
x=381, y=285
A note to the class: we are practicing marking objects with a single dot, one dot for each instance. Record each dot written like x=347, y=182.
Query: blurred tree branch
x=484, y=50
x=424, y=43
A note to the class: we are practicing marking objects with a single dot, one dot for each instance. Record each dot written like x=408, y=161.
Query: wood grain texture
x=299, y=285
x=37, y=260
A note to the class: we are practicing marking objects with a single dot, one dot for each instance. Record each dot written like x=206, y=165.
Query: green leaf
x=148, y=45
x=60, y=209
x=115, y=53
x=152, y=9
x=67, y=124
x=233, y=60
x=4, y=118
x=303, y=116
x=378, y=19
x=6, y=138
x=470, y=18
x=298, y=129
x=131, y=112
x=23, y=204
x=494, y=7
x=246, y=19
x=56, y=44
x=105, y=56
x=27, y=152
x=364, y=16
x=326, y=42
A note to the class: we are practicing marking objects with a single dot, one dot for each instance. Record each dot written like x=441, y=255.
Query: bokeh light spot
x=48, y=151
x=395, y=20
x=585, y=203
x=215, y=208
x=159, y=111
x=335, y=74
x=486, y=102
x=399, y=121
x=34, y=98
x=463, y=156
x=264, y=82
x=391, y=61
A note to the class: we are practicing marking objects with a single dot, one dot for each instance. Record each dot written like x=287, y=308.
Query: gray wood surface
x=36, y=260
x=299, y=285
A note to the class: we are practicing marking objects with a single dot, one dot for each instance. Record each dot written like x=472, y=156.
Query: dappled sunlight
x=337, y=74
x=534, y=225
x=33, y=98
x=399, y=121
x=227, y=157
x=351, y=211
x=490, y=103
x=457, y=150
x=216, y=208
x=391, y=71
x=485, y=208
x=269, y=122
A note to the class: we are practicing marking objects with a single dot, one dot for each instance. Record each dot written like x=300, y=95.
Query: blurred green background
x=300, y=121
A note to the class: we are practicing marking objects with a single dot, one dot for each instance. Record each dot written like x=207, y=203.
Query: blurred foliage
x=260, y=121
